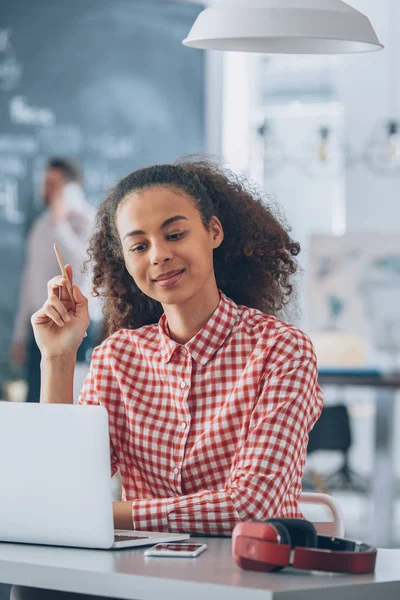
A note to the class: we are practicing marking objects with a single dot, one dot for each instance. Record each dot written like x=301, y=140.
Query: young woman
x=210, y=396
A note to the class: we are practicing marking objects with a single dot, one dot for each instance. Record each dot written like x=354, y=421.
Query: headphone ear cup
x=302, y=533
x=280, y=526
x=283, y=535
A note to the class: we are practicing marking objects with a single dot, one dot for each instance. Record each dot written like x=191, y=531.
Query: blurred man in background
x=67, y=221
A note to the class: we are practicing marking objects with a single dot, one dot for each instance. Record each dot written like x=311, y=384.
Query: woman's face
x=167, y=249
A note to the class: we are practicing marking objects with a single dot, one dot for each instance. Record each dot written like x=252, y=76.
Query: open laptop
x=55, y=479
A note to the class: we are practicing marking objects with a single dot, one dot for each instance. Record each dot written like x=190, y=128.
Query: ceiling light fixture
x=283, y=27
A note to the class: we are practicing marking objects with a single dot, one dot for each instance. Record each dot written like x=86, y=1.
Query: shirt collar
x=208, y=340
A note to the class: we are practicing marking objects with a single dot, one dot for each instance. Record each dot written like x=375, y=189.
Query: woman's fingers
x=54, y=284
x=81, y=304
x=56, y=311
x=65, y=293
x=57, y=287
x=61, y=307
x=51, y=312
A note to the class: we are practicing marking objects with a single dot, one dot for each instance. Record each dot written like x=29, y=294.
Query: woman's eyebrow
x=163, y=226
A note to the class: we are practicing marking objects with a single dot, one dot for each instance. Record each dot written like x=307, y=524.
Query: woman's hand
x=122, y=512
x=58, y=330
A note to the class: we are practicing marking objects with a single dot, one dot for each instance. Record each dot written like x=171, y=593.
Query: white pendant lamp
x=284, y=27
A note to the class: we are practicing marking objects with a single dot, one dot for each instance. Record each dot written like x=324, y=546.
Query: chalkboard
x=106, y=82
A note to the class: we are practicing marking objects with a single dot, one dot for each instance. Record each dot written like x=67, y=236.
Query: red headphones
x=277, y=543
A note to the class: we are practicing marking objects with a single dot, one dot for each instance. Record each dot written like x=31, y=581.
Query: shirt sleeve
x=89, y=395
x=265, y=466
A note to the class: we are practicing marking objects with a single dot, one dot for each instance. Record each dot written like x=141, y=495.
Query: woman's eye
x=137, y=249
x=176, y=236
x=172, y=237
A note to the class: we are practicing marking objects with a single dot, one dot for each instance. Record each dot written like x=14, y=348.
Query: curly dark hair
x=253, y=265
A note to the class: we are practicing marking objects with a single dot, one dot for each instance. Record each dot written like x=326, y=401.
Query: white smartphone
x=176, y=549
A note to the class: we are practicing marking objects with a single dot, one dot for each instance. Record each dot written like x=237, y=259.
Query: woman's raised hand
x=58, y=329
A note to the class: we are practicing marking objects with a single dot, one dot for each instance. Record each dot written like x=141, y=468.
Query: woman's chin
x=173, y=295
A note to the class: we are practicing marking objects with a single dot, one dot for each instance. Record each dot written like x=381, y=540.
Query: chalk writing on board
x=112, y=146
x=9, y=200
x=62, y=139
x=10, y=68
x=111, y=111
x=98, y=177
x=20, y=144
x=13, y=165
x=23, y=114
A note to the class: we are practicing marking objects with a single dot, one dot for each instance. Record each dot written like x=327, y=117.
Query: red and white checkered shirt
x=212, y=432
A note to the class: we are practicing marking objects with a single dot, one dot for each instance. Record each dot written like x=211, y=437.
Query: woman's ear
x=216, y=232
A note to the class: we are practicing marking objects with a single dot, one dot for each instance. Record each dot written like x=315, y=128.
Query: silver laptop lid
x=55, y=475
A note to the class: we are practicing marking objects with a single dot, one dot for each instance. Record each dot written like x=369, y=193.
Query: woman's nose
x=160, y=254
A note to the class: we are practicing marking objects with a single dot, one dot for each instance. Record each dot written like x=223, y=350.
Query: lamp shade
x=283, y=27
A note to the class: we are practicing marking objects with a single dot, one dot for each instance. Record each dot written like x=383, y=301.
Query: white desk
x=211, y=576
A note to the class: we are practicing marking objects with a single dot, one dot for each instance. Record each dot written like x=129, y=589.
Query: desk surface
x=213, y=575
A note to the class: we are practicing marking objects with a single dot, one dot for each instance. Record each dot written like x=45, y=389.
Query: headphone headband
x=259, y=546
x=336, y=555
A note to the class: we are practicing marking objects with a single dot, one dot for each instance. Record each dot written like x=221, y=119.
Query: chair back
x=331, y=431
x=335, y=527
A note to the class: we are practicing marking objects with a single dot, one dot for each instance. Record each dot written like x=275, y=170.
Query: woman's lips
x=169, y=280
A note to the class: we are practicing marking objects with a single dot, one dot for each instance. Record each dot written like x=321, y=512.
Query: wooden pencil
x=64, y=272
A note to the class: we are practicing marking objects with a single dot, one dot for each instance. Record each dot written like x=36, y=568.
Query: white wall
x=368, y=85
x=213, y=102
x=373, y=202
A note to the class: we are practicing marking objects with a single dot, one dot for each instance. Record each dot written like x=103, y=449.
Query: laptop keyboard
x=126, y=538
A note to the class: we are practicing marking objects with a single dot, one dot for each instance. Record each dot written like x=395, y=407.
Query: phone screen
x=176, y=547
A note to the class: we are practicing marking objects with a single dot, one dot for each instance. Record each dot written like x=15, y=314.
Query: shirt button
x=183, y=384
x=176, y=471
x=183, y=426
